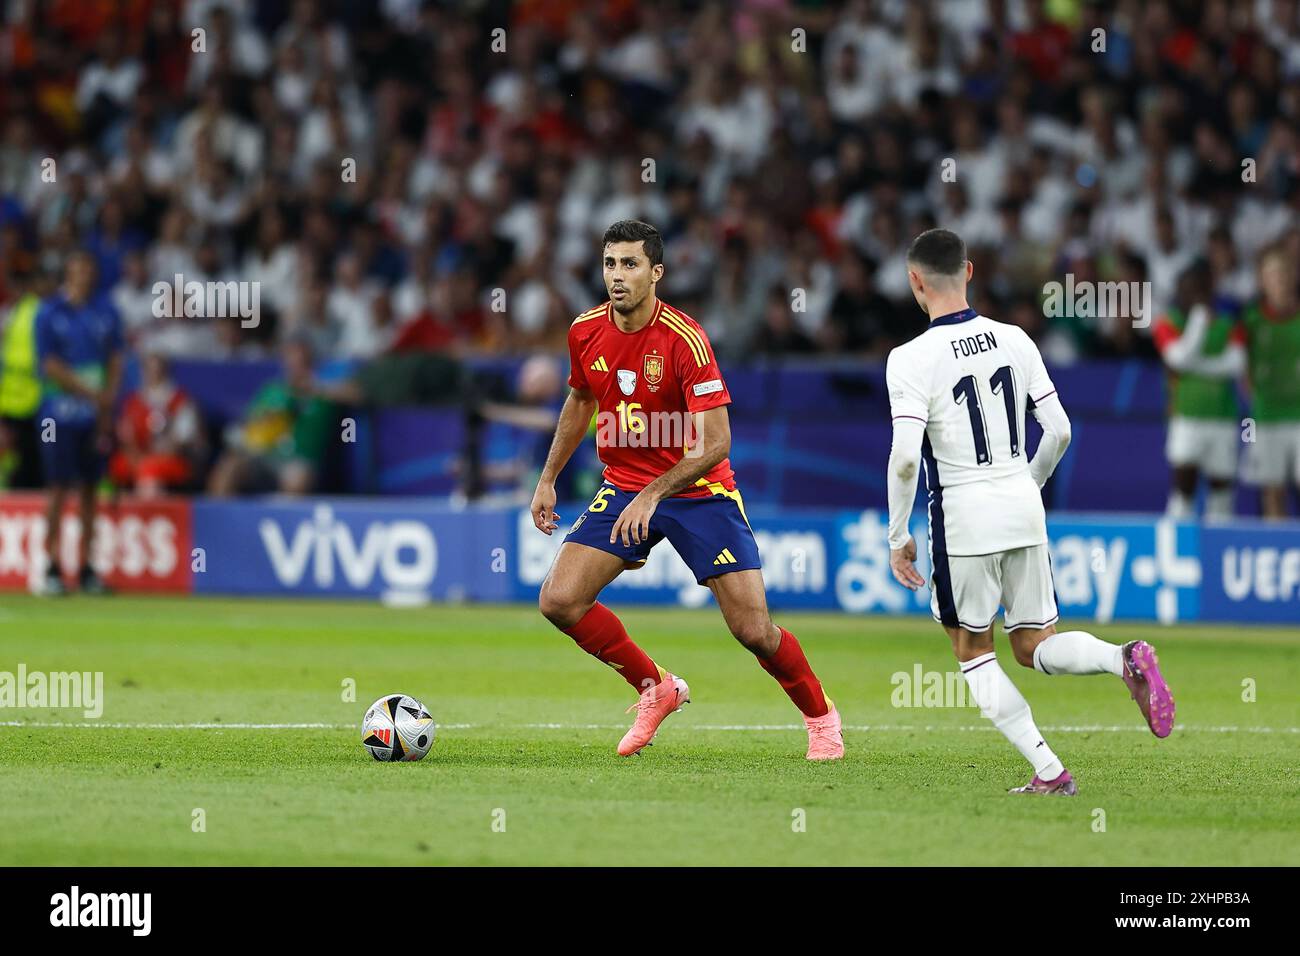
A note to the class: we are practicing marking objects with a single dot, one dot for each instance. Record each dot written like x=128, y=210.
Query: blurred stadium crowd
x=788, y=151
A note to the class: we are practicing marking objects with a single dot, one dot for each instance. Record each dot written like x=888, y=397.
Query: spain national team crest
x=626, y=381
x=653, y=370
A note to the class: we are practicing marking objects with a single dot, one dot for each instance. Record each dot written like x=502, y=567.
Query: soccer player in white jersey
x=958, y=393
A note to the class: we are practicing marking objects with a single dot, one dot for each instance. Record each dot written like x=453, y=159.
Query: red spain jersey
x=647, y=385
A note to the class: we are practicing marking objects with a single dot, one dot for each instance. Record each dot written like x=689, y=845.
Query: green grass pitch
x=524, y=769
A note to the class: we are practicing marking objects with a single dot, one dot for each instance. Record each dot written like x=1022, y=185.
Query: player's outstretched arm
x=904, y=463
x=569, y=433
x=1056, y=439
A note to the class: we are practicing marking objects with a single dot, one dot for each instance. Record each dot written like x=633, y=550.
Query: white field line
x=865, y=728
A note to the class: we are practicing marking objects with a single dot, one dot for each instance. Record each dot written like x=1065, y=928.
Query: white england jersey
x=971, y=380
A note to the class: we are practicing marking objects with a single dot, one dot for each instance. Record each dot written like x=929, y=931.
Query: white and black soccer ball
x=397, y=727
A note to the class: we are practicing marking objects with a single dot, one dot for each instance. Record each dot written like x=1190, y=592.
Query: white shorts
x=1209, y=444
x=1273, y=458
x=967, y=591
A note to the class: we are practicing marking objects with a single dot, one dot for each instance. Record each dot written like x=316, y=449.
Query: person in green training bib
x=1205, y=353
x=1272, y=327
x=282, y=441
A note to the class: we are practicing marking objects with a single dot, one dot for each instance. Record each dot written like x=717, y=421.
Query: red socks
x=792, y=671
x=601, y=634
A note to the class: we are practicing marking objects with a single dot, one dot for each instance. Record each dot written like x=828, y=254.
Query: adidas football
x=397, y=727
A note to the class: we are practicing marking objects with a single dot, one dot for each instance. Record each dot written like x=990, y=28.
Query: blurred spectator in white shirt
x=351, y=309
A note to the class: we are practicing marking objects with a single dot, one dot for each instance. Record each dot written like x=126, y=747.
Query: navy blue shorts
x=72, y=457
x=711, y=534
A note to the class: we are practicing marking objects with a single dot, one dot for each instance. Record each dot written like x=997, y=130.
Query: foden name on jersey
x=973, y=344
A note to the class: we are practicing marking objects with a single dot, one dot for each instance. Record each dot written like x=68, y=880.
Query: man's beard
x=628, y=306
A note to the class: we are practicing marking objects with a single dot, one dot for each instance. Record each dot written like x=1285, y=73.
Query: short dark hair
x=634, y=230
x=940, y=251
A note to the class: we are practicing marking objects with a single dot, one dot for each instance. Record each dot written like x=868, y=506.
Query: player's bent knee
x=553, y=608
x=1024, y=654
x=757, y=636
x=1025, y=640
x=561, y=609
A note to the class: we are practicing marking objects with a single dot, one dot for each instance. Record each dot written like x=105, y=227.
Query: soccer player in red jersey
x=649, y=373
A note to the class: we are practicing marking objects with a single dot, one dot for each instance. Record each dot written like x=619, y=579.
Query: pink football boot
x=656, y=703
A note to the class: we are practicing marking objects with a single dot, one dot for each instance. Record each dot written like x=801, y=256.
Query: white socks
x=1007, y=708
x=1073, y=652
x=1078, y=652
x=1218, y=504
x=1180, y=506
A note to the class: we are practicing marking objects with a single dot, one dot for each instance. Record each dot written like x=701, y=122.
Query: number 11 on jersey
x=967, y=391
